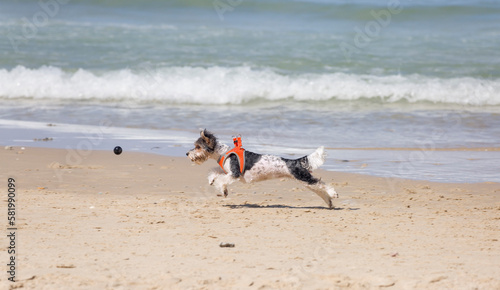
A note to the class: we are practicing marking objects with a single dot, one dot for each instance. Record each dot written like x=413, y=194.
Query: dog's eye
x=197, y=147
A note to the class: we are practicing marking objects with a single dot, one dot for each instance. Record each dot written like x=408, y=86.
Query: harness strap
x=240, y=154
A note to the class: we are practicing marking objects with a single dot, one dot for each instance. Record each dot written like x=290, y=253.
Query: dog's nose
x=187, y=153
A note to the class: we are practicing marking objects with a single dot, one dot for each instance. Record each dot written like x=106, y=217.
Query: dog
x=246, y=166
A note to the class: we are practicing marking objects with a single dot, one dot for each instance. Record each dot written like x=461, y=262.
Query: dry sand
x=143, y=221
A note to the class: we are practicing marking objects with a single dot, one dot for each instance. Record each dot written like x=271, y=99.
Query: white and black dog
x=257, y=167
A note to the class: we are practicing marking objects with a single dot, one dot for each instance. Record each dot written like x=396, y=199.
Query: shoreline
x=476, y=164
x=430, y=162
x=146, y=220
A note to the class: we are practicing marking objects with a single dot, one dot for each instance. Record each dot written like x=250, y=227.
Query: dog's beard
x=197, y=157
x=199, y=161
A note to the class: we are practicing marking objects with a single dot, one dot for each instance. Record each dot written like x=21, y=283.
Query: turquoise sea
x=288, y=76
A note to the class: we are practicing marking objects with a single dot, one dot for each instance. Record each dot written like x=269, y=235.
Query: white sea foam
x=238, y=85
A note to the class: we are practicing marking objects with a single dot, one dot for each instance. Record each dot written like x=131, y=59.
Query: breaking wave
x=239, y=85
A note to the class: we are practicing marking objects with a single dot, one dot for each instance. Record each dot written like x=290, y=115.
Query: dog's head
x=204, y=147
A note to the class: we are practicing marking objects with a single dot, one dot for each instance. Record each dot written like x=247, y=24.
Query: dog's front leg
x=220, y=180
x=214, y=174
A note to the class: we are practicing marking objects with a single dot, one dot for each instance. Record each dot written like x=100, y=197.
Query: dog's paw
x=333, y=194
x=223, y=193
x=211, y=178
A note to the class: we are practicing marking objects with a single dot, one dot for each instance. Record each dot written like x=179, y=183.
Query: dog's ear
x=204, y=134
x=209, y=138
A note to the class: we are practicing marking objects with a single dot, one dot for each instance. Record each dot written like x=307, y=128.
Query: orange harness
x=238, y=151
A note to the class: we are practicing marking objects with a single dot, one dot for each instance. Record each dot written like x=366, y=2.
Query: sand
x=94, y=220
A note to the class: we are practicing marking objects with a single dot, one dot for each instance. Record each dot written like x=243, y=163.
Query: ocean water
x=287, y=75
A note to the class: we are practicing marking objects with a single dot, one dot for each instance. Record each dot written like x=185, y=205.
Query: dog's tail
x=316, y=159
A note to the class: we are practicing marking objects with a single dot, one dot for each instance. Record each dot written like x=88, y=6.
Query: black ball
x=118, y=150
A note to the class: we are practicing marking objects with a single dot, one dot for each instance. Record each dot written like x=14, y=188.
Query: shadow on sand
x=253, y=205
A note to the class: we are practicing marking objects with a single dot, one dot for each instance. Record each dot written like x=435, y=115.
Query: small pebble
x=226, y=245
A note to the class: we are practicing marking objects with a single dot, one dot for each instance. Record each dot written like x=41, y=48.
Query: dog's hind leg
x=317, y=186
x=325, y=191
x=301, y=169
